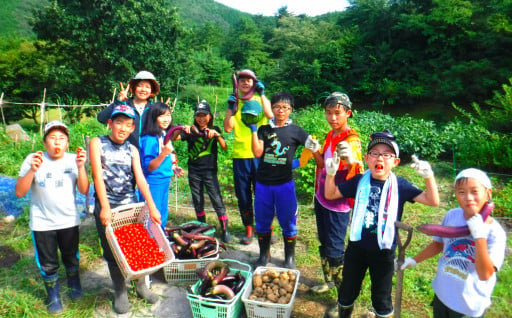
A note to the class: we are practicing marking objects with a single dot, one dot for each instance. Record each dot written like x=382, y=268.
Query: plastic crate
x=184, y=270
x=132, y=214
x=203, y=307
x=259, y=309
x=210, y=232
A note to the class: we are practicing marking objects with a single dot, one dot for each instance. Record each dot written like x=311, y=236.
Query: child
x=249, y=88
x=53, y=177
x=466, y=273
x=379, y=200
x=202, y=139
x=116, y=170
x=143, y=87
x=156, y=158
x=275, y=145
x=333, y=216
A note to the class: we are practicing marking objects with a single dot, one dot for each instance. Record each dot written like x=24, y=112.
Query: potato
x=253, y=297
x=282, y=300
x=266, y=279
x=284, y=276
x=283, y=283
x=259, y=291
x=275, y=281
x=289, y=288
x=282, y=292
x=257, y=281
x=272, y=297
x=271, y=273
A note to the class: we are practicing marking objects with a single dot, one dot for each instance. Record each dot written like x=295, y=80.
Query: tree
x=102, y=42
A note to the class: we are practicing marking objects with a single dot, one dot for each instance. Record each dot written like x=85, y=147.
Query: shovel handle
x=403, y=246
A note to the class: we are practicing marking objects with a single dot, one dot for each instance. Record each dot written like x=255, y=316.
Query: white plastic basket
x=259, y=309
x=204, y=307
x=132, y=214
x=184, y=270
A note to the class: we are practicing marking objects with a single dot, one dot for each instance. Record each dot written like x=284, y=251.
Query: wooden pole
x=87, y=162
x=42, y=113
x=2, y=108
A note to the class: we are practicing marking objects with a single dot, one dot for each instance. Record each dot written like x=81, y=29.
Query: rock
x=16, y=133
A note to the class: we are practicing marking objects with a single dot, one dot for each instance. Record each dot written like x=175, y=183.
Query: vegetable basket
x=131, y=214
x=259, y=309
x=184, y=270
x=204, y=307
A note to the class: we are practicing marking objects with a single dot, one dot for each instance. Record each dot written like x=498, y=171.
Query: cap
x=476, y=174
x=55, y=125
x=123, y=109
x=202, y=108
x=385, y=137
x=247, y=73
x=147, y=76
x=338, y=98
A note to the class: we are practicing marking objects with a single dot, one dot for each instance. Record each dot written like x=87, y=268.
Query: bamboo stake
x=2, y=108
x=42, y=113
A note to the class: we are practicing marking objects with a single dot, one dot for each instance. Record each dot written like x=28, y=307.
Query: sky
x=270, y=7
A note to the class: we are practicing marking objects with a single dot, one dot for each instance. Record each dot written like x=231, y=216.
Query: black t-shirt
x=279, y=146
x=202, y=152
x=406, y=193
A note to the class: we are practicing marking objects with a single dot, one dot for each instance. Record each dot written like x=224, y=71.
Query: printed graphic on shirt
x=457, y=257
x=371, y=217
x=278, y=154
x=201, y=147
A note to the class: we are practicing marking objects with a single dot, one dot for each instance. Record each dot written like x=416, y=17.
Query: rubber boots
x=328, y=283
x=121, y=303
x=289, y=252
x=247, y=239
x=336, y=268
x=225, y=236
x=74, y=286
x=264, y=243
x=51, y=283
x=143, y=291
x=345, y=312
x=247, y=220
x=201, y=217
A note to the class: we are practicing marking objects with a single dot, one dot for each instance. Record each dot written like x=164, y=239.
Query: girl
x=157, y=157
x=202, y=138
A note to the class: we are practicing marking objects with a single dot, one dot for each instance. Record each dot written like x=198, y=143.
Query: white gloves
x=345, y=152
x=409, y=262
x=332, y=164
x=422, y=167
x=477, y=227
x=312, y=144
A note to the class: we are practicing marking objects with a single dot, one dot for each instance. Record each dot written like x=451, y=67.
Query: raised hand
x=123, y=94
x=421, y=167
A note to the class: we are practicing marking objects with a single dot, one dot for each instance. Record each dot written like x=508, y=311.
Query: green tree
x=102, y=42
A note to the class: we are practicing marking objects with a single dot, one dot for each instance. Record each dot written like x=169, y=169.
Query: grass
x=23, y=293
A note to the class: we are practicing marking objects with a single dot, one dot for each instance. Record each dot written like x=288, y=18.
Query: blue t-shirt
x=406, y=193
x=150, y=148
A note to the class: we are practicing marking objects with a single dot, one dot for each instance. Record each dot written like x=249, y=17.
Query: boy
x=466, y=276
x=116, y=169
x=379, y=200
x=275, y=145
x=53, y=177
x=333, y=216
x=244, y=164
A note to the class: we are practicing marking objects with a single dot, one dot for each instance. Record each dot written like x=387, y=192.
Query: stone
x=16, y=133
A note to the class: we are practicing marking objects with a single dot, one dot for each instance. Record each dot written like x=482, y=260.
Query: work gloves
x=422, y=167
x=477, y=227
x=409, y=262
x=345, y=152
x=259, y=87
x=312, y=144
x=332, y=164
x=232, y=104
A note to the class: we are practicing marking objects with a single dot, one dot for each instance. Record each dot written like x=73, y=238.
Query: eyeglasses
x=281, y=108
x=385, y=155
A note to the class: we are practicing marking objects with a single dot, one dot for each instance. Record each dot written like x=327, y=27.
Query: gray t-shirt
x=52, y=200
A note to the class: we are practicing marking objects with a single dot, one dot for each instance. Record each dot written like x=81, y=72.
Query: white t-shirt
x=456, y=283
x=52, y=201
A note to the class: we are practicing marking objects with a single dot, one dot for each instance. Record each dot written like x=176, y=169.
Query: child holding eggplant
x=157, y=157
x=54, y=176
x=203, y=140
x=473, y=249
x=116, y=170
x=379, y=200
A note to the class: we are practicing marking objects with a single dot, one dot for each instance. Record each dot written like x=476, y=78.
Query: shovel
x=401, y=257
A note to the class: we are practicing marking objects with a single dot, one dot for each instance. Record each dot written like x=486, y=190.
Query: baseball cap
x=123, y=109
x=385, y=137
x=476, y=174
x=55, y=124
x=202, y=108
x=147, y=76
x=338, y=98
x=247, y=73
